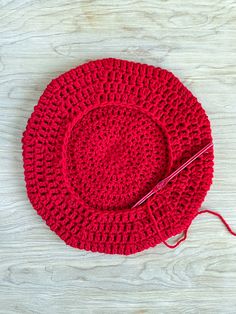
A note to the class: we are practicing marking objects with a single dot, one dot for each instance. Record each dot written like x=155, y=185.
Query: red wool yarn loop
x=100, y=138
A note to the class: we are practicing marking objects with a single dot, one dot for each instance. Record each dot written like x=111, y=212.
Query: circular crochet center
x=114, y=155
x=101, y=137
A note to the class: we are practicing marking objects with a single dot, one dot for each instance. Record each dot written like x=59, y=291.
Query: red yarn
x=101, y=136
x=220, y=217
x=186, y=231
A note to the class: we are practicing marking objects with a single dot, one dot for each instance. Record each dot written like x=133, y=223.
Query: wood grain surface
x=41, y=39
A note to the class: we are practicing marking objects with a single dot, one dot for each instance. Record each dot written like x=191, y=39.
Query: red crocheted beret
x=100, y=138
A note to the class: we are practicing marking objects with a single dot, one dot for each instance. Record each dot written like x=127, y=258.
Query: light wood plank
x=39, y=40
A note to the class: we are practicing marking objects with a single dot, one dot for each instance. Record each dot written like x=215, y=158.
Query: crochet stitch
x=100, y=138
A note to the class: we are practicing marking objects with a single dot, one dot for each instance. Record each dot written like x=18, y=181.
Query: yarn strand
x=185, y=232
x=220, y=217
x=170, y=246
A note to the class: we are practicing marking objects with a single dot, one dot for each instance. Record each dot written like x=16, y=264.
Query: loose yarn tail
x=220, y=217
x=170, y=246
x=185, y=232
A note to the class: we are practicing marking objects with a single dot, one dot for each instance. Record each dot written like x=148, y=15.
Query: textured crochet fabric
x=101, y=136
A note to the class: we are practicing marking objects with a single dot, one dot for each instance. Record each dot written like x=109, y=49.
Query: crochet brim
x=101, y=136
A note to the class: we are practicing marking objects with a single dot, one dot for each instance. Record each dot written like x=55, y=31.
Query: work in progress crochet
x=100, y=138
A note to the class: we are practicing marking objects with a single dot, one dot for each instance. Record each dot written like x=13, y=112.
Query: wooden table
x=40, y=40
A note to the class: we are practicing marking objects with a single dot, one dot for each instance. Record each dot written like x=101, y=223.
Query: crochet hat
x=100, y=138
